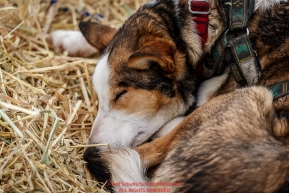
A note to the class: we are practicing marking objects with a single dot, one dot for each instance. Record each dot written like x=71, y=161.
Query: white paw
x=72, y=42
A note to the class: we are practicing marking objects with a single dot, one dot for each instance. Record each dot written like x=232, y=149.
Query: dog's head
x=142, y=81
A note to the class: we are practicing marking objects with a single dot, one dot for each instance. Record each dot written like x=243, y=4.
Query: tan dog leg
x=155, y=152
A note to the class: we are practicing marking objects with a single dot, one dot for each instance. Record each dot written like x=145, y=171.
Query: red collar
x=200, y=10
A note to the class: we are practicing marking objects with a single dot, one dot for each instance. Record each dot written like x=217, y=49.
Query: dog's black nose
x=97, y=165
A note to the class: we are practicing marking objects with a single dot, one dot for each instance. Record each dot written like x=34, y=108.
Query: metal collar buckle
x=196, y=2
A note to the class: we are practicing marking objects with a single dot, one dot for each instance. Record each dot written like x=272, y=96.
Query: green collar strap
x=246, y=61
x=239, y=13
x=235, y=50
x=280, y=89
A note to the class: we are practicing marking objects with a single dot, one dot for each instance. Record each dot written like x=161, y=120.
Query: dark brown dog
x=237, y=142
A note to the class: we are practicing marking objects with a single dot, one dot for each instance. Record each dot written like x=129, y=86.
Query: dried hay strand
x=47, y=104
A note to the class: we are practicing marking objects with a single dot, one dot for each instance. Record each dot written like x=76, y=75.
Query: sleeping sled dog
x=236, y=141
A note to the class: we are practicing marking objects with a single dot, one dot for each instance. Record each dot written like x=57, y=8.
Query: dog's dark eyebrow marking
x=122, y=83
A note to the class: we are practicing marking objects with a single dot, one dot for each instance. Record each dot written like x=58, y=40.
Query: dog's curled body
x=229, y=152
x=236, y=141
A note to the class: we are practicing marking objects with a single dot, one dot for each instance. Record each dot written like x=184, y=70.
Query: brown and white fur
x=236, y=142
x=145, y=76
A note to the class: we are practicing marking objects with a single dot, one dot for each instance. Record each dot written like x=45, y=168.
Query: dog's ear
x=156, y=53
x=98, y=35
x=143, y=61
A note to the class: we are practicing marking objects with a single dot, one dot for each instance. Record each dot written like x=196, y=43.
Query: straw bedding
x=47, y=104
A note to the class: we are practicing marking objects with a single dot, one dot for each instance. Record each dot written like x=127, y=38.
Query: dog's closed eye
x=118, y=95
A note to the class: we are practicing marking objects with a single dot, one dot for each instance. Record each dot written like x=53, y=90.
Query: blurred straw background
x=47, y=104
